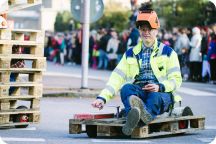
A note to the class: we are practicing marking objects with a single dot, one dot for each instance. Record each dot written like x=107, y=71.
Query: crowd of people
x=196, y=49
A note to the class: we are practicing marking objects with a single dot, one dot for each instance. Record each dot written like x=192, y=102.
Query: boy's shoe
x=133, y=118
x=145, y=116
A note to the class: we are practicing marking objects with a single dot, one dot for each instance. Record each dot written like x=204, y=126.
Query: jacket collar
x=137, y=49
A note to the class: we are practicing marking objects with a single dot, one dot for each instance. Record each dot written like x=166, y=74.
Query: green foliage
x=182, y=13
x=113, y=19
x=62, y=22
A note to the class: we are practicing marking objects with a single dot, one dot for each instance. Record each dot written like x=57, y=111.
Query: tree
x=182, y=13
x=63, y=21
x=116, y=19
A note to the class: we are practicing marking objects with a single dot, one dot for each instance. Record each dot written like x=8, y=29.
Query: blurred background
x=63, y=40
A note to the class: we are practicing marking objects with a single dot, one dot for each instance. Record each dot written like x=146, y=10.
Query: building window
x=47, y=3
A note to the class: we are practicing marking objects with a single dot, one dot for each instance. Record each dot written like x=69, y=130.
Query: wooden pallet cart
x=100, y=125
x=26, y=86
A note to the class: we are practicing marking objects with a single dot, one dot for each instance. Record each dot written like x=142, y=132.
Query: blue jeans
x=155, y=103
x=103, y=59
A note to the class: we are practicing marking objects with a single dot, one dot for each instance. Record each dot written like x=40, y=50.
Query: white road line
x=210, y=127
x=205, y=139
x=7, y=139
x=195, y=92
x=119, y=141
x=24, y=129
x=2, y=142
x=214, y=141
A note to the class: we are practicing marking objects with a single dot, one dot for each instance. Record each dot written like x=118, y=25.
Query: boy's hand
x=98, y=103
x=151, y=88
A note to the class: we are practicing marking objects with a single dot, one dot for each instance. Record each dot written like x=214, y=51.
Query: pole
x=85, y=44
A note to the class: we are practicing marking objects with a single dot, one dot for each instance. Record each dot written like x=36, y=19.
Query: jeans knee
x=124, y=90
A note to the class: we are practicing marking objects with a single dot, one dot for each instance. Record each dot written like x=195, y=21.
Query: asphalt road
x=56, y=112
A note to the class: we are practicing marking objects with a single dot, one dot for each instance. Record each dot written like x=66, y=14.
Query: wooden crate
x=4, y=119
x=31, y=89
x=37, y=62
x=18, y=35
x=4, y=105
x=29, y=50
x=158, y=127
x=7, y=120
x=21, y=77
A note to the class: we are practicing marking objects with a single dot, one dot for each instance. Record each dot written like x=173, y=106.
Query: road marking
x=194, y=92
x=119, y=141
x=7, y=139
x=205, y=140
x=24, y=129
x=210, y=127
x=214, y=141
x=2, y=142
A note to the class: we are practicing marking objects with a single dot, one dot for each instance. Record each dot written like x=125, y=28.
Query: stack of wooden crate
x=20, y=98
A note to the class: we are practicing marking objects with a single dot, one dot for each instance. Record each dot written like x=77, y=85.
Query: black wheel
x=21, y=118
x=186, y=112
x=91, y=131
x=122, y=113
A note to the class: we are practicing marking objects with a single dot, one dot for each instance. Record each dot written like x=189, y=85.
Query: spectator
x=195, y=55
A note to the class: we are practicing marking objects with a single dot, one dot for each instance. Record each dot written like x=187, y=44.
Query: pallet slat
x=158, y=127
x=30, y=78
x=19, y=97
x=7, y=120
x=35, y=50
x=13, y=35
x=32, y=89
x=37, y=62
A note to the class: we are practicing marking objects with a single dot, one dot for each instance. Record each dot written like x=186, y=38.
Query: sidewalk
x=65, y=80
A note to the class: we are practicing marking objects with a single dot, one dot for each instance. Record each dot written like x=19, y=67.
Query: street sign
x=96, y=10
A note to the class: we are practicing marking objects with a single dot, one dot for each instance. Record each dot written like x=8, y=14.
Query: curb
x=84, y=93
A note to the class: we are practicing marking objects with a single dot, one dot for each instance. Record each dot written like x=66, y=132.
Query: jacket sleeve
x=117, y=79
x=174, y=78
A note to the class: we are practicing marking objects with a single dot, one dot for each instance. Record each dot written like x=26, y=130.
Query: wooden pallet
x=31, y=89
x=29, y=50
x=37, y=62
x=21, y=77
x=5, y=105
x=21, y=35
x=158, y=127
x=15, y=5
x=7, y=117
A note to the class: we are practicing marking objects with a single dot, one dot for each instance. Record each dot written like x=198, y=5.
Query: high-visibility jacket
x=164, y=63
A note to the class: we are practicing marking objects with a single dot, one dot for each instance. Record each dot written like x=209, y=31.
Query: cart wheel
x=122, y=113
x=186, y=112
x=21, y=118
x=91, y=131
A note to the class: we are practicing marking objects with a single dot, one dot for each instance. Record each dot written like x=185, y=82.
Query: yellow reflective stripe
x=160, y=49
x=174, y=83
x=120, y=72
x=161, y=79
x=174, y=69
x=110, y=89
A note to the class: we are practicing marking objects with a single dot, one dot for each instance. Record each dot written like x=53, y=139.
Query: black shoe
x=145, y=116
x=133, y=118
